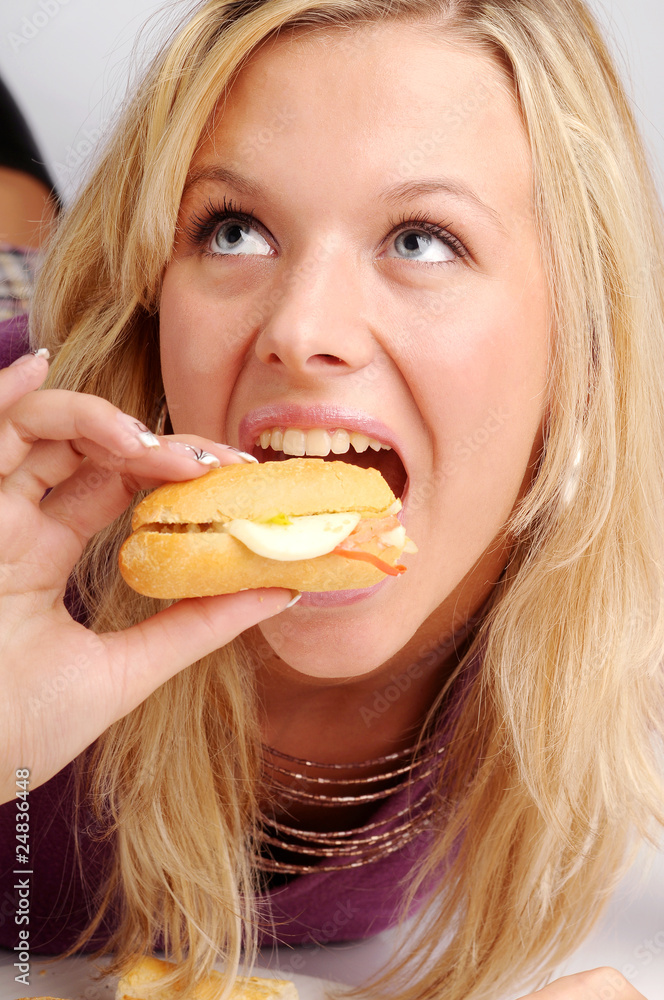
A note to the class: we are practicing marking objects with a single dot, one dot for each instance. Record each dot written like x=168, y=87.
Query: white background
x=67, y=64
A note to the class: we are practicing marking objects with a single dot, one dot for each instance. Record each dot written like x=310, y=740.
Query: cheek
x=199, y=359
x=490, y=399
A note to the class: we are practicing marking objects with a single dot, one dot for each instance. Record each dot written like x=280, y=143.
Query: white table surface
x=630, y=938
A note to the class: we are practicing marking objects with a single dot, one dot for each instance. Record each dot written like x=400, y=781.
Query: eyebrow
x=433, y=185
x=224, y=175
x=392, y=195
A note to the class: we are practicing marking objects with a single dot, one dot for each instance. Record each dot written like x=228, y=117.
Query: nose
x=314, y=325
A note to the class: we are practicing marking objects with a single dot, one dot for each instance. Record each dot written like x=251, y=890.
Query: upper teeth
x=318, y=441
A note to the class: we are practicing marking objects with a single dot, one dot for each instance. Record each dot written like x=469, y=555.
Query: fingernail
x=43, y=352
x=294, y=599
x=139, y=431
x=243, y=454
x=196, y=454
x=148, y=439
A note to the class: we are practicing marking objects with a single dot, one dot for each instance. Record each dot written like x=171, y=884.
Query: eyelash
x=423, y=220
x=203, y=225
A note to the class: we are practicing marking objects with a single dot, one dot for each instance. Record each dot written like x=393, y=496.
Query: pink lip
x=307, y=417
x=337, y=598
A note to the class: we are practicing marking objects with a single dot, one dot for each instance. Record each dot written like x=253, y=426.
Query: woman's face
x=385, y=279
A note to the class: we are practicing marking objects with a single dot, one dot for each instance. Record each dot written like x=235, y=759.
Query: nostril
x=329, y=358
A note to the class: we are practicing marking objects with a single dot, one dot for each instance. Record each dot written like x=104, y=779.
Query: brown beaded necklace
x=360, y=845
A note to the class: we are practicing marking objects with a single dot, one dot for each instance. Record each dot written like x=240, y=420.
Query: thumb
x=158, y=648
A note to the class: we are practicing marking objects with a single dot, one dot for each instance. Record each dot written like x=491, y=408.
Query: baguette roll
x=242, y=527
x=133, y=985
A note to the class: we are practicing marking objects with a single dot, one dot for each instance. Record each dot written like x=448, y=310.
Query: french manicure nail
x=243, y=454
x=43, y=352
x=207, y=458
x=148, y=439
x=197, y=454
x=139, y=431
x=294, y=600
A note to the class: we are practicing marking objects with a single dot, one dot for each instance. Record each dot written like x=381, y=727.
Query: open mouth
x=387, y=461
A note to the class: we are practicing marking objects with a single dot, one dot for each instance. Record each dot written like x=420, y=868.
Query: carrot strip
x=371, y=558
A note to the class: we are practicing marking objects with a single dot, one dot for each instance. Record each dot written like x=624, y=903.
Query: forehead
x=377, y=103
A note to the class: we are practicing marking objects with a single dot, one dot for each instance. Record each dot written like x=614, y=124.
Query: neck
x=357, y=718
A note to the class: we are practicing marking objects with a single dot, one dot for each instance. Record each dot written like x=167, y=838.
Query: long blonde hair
x=553, y=777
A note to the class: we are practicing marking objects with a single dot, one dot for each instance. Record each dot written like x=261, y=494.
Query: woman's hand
x=61, y=684
x=597, y=984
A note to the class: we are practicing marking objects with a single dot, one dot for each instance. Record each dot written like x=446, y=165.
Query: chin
x=345, y=634
x=333, y=643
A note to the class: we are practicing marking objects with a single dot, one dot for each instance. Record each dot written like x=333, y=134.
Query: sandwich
x=303, y=523
x=148, y=970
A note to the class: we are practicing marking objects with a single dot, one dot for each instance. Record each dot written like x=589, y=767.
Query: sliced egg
x=305, y=537
x=397, y=536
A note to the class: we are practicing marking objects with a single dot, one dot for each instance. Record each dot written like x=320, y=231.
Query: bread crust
x=169, y=565
x=200, y=563
x=295, y=486
x=149, y=969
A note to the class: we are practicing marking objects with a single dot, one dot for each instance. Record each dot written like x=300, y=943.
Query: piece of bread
x=179, y=547
x=149, y=969
x=294, y=486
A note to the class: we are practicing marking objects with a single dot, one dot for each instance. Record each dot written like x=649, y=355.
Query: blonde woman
x=423, y=222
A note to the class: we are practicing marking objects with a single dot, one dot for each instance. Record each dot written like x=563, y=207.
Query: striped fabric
x=18, y=268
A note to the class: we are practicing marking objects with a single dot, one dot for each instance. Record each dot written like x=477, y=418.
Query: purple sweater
x=345, y=905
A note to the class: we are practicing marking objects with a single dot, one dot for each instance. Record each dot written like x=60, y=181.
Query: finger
x=594, y=984
x=50, y=463
x=164, y=644
x=95, y=494
x=24, y=375
x=61, y=415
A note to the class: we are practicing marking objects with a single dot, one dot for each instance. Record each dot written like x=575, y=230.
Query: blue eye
x=228, y=231
x=235, y=238
x=415, y=243
x=419, y=234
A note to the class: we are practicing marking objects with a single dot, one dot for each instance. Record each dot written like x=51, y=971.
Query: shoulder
x=14, y=339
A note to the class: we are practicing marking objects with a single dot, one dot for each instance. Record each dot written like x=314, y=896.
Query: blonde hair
x=552, y=778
